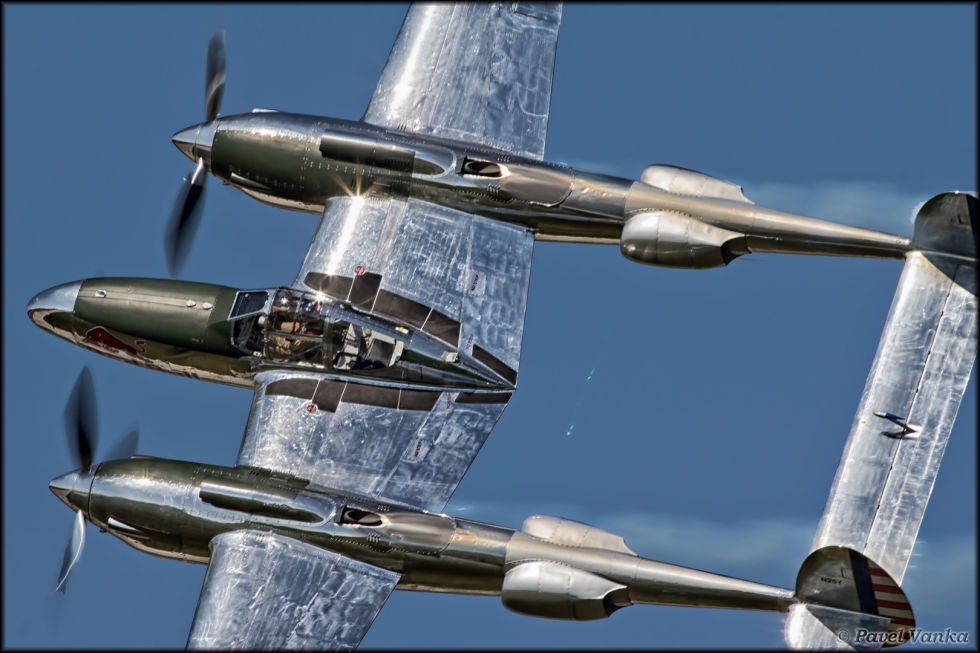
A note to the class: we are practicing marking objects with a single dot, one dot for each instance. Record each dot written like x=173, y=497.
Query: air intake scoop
x=573, y=533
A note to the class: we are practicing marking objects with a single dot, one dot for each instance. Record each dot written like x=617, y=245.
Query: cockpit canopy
x=309, y=329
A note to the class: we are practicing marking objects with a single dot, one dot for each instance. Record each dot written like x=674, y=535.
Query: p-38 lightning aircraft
x=380, y=371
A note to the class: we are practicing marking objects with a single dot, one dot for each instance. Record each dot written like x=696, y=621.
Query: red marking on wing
x=359, y=270
x=418, y=448
x=311, y=408
x=475, y=279
x=100, y=337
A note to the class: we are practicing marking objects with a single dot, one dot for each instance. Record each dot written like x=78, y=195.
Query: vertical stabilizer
x=854, y=599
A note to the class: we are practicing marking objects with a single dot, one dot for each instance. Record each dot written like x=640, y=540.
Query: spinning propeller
x=81, y=428
x=196, y=143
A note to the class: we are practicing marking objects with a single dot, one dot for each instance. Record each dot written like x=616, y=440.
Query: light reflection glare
x=351, y=218
x=406, y=83
x=793, y=625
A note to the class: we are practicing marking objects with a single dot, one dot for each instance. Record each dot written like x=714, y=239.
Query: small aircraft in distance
x=908, y=430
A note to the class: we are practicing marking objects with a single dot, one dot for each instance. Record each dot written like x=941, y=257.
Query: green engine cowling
x=180, y=313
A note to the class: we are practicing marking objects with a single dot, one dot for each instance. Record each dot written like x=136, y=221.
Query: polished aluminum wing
x=459, y=277
x=267, y=591
x=475, y=72
x=409, y=447
x=903, y=421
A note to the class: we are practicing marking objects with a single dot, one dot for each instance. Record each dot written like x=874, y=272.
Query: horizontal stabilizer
x=840, y=630
x=917, y=379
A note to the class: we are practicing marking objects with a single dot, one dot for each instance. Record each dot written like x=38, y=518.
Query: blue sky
x=712, y=424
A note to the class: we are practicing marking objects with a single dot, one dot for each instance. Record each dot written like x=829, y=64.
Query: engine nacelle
x=691, y=182
x=548, y=589
x=678, y=241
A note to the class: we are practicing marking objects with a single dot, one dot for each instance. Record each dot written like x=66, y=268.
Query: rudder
x=948, y=223
x=841, y=578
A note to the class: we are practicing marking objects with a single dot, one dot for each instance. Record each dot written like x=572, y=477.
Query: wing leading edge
x=475, y=72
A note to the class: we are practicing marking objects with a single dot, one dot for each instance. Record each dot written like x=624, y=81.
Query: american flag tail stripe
x=854, y=587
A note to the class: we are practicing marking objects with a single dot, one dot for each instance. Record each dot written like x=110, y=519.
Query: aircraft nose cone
x=196, y=141
x=60, y=298
x=185, y=140
x=62, y=487
x=73, y=489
